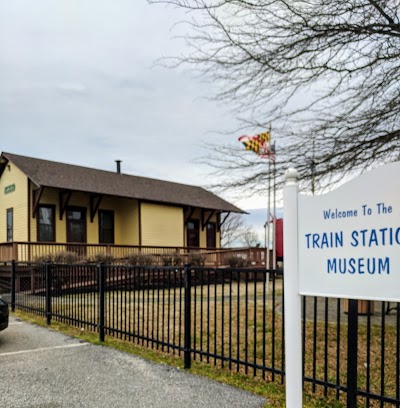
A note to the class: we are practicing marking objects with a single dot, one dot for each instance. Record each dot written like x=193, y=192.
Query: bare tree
x=250, y=238
x=326, y=73
x=235, y=231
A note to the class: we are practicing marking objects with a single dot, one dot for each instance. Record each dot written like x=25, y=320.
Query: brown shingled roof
x=46, y=173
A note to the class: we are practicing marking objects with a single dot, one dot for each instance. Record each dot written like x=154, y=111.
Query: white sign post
x=293, y=354
x=344, y=244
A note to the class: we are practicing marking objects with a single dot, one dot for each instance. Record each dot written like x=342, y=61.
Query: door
x=211, y=235
x=193, y=233
x=76, y=228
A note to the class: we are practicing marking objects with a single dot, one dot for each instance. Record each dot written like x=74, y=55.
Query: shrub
x=66, y=257
x=171, y=260
x=101, y=258
x=140, y=260
x=237, y=262
x=196, y=259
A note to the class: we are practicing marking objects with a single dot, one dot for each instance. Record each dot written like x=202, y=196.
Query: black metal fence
x=225, y=317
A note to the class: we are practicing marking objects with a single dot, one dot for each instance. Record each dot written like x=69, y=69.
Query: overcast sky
x=79, y=84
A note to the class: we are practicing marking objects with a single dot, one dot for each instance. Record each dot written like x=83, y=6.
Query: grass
x=229, y=320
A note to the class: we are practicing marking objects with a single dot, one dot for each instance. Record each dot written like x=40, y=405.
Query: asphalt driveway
x=40, y=368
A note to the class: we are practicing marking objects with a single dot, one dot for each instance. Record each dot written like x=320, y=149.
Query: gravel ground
x=40, y=368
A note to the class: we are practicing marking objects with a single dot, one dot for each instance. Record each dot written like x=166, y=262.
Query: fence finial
x=291, y=176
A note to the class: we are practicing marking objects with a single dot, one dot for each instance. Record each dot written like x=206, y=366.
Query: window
x=46, y=231
x=10, y=224
x=106, y=227
x=211, y=235
x=193, y=236
x=76, y=224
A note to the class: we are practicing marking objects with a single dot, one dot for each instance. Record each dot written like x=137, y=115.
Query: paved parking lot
x=40, y=368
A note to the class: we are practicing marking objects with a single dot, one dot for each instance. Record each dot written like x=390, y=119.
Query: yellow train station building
x=46, y=203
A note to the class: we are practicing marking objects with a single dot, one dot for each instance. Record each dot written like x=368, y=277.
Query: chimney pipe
x=118, y=166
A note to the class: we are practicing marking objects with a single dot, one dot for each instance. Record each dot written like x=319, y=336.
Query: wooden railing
x=34, y=251
x=8, y=251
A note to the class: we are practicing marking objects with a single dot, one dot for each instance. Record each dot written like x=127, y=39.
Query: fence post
x=15, y=251
x=13, y=277
x=48, y=293
x=187, y=330
x=352, y=346
x=101, y=277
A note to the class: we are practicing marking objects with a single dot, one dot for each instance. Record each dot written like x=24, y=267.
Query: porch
x=120, y=254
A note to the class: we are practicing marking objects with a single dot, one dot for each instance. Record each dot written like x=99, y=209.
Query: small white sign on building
x=349, y=239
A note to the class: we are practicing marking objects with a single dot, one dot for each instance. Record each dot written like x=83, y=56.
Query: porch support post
x=36, y=195
x=191, y=212
x=95, y=201
x=221, y=223
x=140, y=223
x=64, y=197
x=204, y=223
x=29, y=216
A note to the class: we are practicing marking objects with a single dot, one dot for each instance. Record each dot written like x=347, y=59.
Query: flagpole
x=267, y=255
x=274, y=212
x=268, y=215
x=261, y=145
x=267, y=260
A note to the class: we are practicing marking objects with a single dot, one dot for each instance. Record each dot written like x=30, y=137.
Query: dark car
x=3, y=314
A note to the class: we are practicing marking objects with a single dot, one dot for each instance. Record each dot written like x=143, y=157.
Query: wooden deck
x=121, y=254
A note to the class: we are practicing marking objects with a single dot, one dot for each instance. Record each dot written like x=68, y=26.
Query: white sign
x=343, y=244
x=349, y=239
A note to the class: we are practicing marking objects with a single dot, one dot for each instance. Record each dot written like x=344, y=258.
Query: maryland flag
x=265, y=137
x=259, y=144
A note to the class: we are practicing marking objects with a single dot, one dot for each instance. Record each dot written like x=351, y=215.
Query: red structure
x=279, y=239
